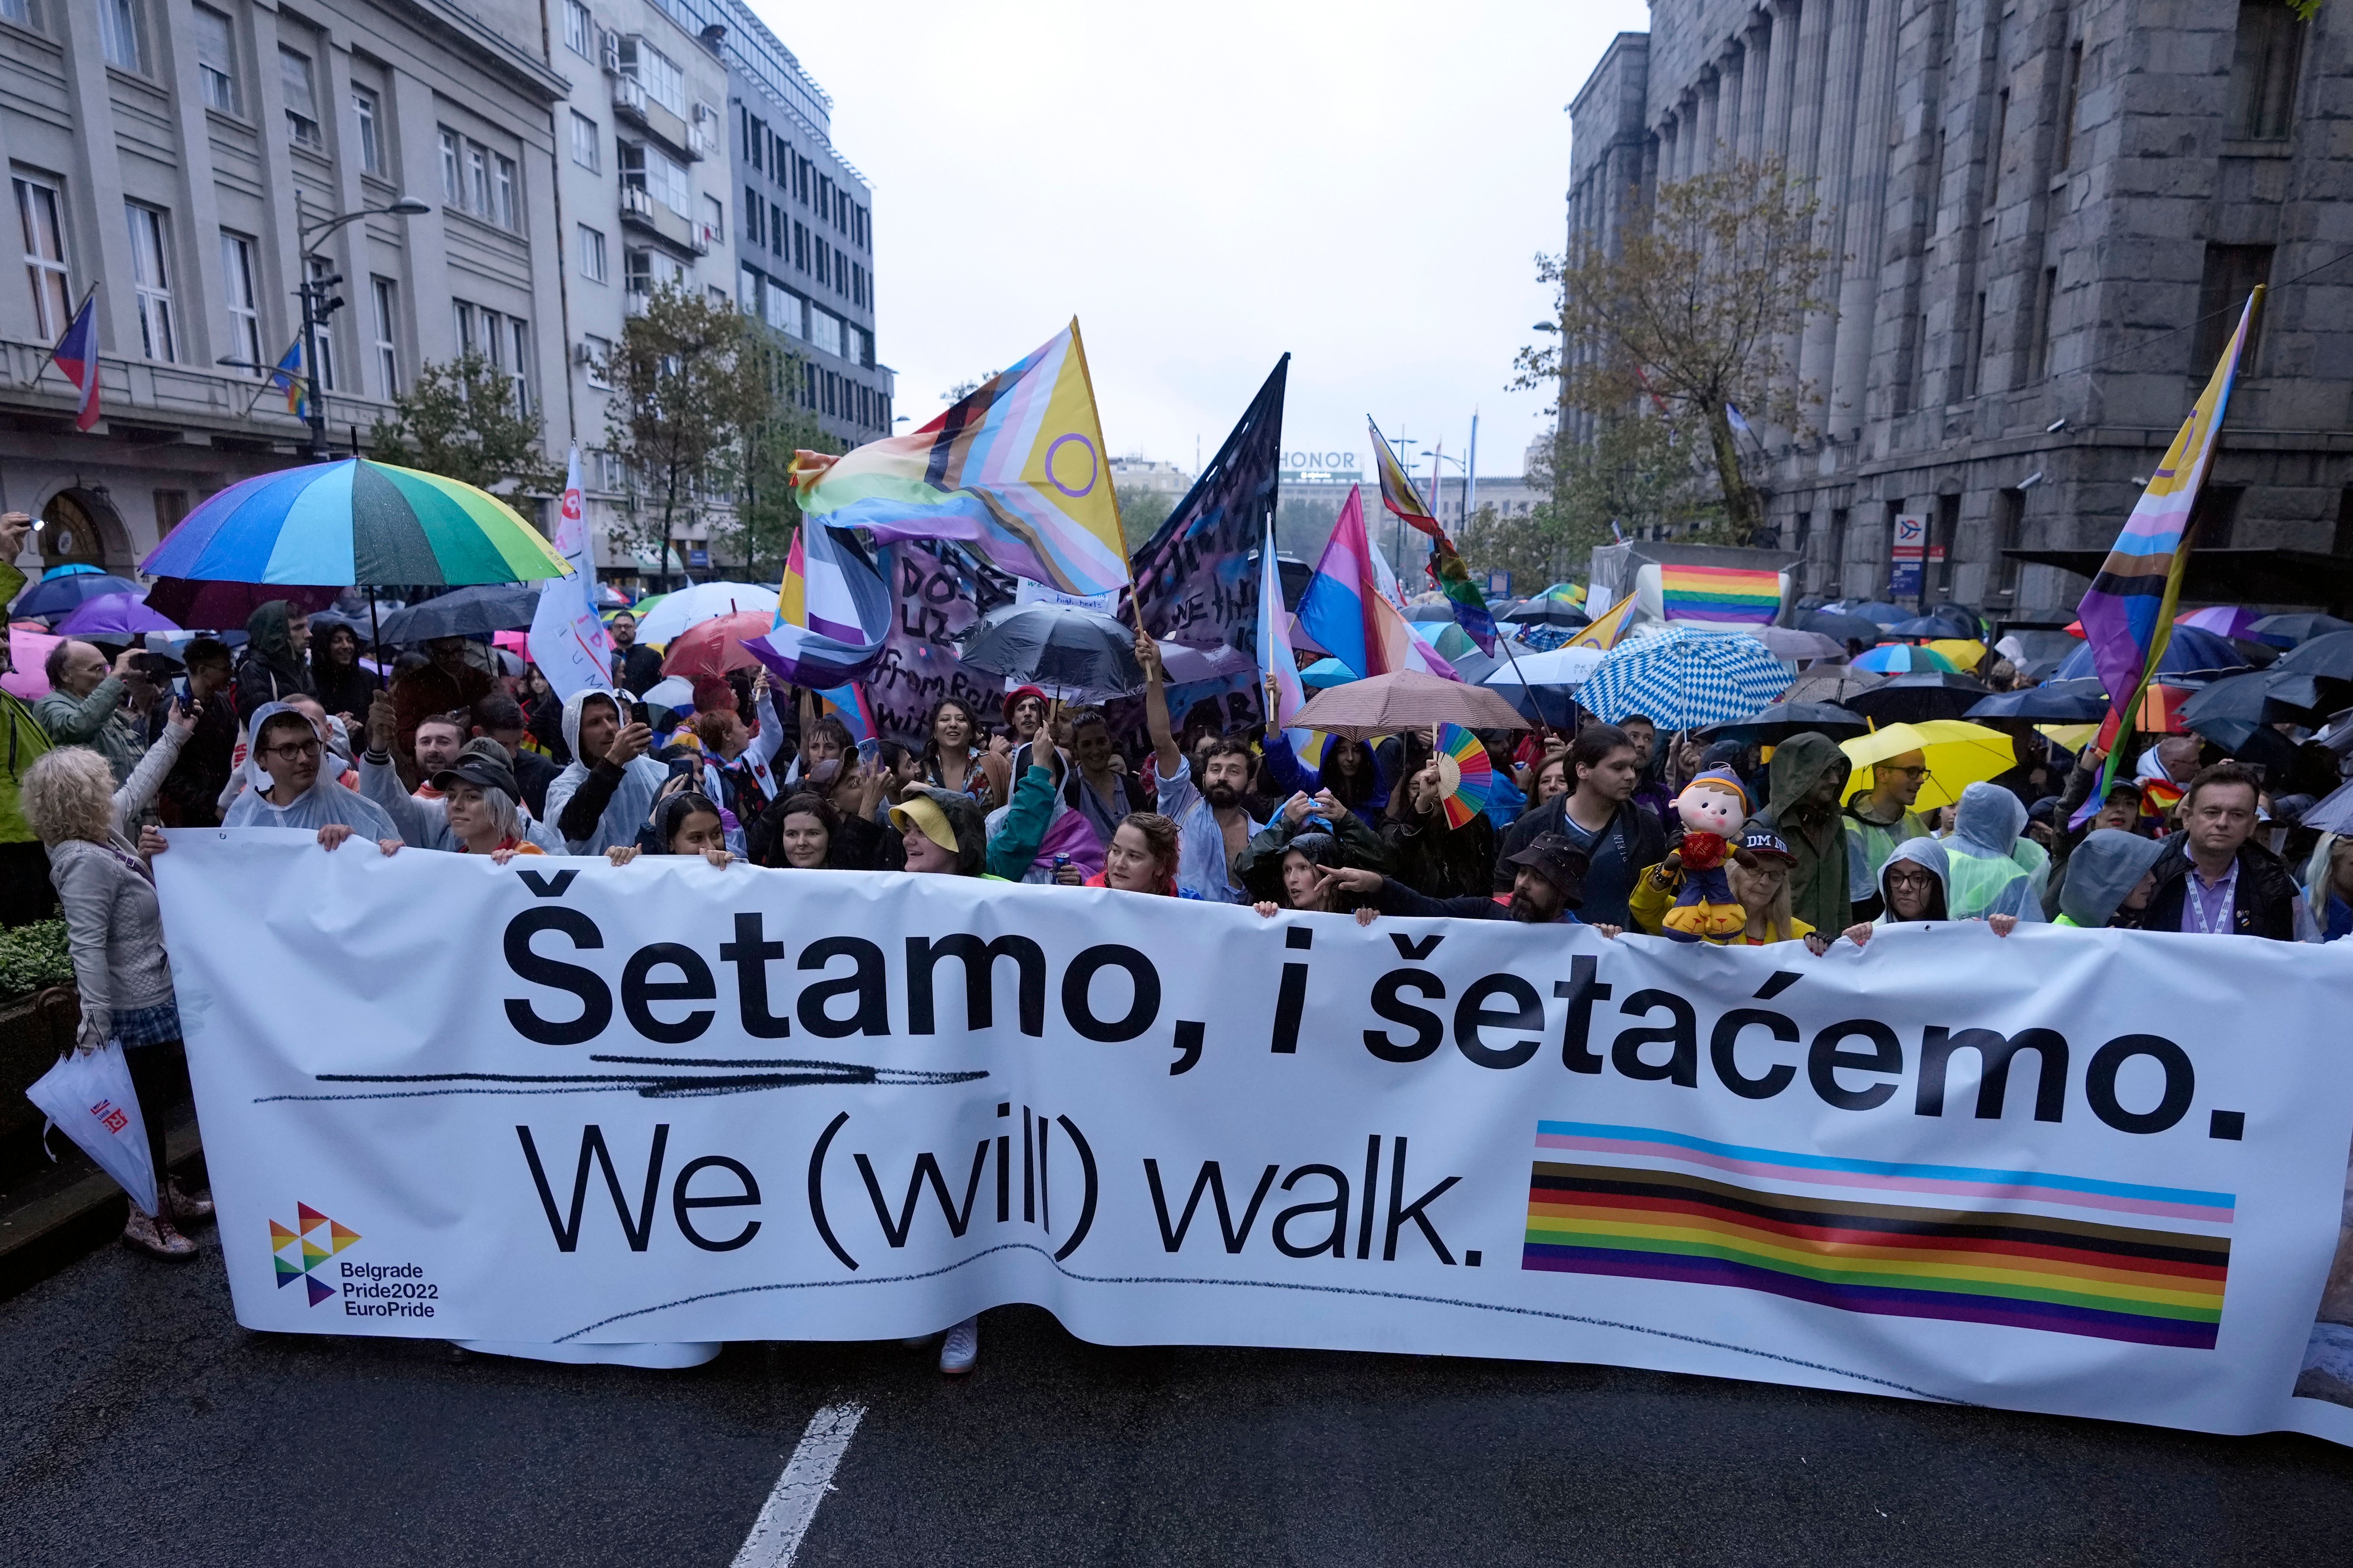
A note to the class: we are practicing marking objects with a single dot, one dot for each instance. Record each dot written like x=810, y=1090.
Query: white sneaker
x=961, y=1348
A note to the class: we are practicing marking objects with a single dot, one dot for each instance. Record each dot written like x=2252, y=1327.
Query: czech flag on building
x=77, y=355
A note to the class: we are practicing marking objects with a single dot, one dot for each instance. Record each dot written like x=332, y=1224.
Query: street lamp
x=317, y=306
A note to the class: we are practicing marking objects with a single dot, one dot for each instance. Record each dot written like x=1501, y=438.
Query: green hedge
x=34, y=957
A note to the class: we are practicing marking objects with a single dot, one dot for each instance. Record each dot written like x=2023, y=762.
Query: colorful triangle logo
x=339, y=1238
x=319, y=1292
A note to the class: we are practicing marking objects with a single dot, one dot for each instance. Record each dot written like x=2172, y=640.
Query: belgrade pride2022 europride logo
x=295, y=1253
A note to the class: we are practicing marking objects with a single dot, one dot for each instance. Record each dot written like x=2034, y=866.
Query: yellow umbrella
x=1965, y=653
x=1958, y=753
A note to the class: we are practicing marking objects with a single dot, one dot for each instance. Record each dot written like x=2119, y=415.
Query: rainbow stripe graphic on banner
x=1973, y=1256
x=1719, y=594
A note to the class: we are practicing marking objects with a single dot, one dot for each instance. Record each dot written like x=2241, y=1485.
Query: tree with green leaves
x=691, y=380
x=767, y=508
x=1693, y=314
x=463, y=419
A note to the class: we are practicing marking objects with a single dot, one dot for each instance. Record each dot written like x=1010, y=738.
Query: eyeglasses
x=1911, y=879
x=300, y=749
x=1915, y=773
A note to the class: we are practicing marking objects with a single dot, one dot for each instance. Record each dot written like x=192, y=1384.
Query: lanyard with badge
x=2229, y=891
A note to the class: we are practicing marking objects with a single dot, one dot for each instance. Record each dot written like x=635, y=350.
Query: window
x=747, y=291
x=2264, y=68
x=504, y=209
x=23, y=12
x=752, y=210
x=302, y=98
x=579, y=30
x=592, y=254
x=170, y=510
x=824, y=257
x=519, y=363
x=659, y=175
x=714, y=220
x=40, y=212
x=453, y=181
x=777, y=229
x=587, y=150
x=2008, y=529
x=386, y=295
x=150, y=252
x=2231, y=273
x=478, y=179
x=862, y=346
x=1993, y=153
x=800, y=245
x=122, y=34
x=825, y=332
x=217, y=60
x=783, y=311
x=656, y=72
x=239, y=285
x=2043, y=298
x=321, y=269
x=2070, y=97
x=755, y=135
x=600, y=352
x=1975, y=346
x=367, y=120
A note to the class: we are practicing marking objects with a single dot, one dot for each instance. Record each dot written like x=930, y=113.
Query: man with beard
x=1808, y=779
x=1212, y=828
x=634, y=668
x=1547, y=888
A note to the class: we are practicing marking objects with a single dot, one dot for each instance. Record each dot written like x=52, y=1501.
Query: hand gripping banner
x=2095, y=1173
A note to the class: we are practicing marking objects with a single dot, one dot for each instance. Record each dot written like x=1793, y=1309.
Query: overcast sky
x=1206, y=185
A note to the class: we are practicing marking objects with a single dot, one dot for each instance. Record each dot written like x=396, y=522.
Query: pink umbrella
x=515, y=642
x=113, y=615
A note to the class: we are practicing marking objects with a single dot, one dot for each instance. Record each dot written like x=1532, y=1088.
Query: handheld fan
x=1465, y=777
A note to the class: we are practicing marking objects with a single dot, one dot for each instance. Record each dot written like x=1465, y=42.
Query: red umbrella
x=715, y=646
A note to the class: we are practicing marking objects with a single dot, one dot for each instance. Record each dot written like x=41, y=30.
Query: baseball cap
x=481, y=773
x=1558, y=861
x=1764, y=841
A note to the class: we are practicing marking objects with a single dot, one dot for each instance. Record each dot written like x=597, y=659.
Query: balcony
x=631, y=103
x=196, y=402
x=707, y=238
x=641, y=212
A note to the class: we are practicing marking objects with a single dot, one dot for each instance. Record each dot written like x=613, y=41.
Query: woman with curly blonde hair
x=116, y=933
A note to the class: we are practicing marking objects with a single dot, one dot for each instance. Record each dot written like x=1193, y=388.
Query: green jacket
x=1818, y=882
x=96, y=721
x=1015, y=843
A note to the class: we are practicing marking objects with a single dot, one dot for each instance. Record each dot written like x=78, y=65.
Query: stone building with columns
x=169, y=152
x=2048, y=215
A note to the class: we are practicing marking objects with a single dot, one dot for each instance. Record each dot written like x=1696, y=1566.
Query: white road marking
x=785, y=1517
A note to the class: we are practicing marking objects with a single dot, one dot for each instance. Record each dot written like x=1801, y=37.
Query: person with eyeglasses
x=1879, y=819
x=287, y=750
x=1914, y=887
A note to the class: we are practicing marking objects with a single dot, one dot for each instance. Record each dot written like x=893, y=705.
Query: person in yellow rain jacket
x=1758, y=869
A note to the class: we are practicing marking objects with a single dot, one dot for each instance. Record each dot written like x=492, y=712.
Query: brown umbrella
x=1407, y=700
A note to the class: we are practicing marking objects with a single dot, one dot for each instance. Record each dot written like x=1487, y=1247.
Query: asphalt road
x=140, y=1425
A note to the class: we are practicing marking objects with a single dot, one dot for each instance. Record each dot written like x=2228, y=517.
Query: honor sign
x=1322, y=468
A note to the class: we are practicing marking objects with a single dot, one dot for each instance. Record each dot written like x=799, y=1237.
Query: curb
x=53, y=1219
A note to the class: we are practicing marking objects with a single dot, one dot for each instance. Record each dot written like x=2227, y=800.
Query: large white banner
x=2084, y=1172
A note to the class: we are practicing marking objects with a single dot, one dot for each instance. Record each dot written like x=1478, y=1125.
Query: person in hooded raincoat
x=604, y=798
x=272, y=669
x=1807, y=780
x=2108, y=879
x=1991, y=870
x=1915, y=888
x=291, y=789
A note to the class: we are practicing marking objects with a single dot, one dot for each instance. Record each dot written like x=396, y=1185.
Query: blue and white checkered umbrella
x=1683, y=679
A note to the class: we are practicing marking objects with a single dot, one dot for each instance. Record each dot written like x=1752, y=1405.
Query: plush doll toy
x=1712, y=806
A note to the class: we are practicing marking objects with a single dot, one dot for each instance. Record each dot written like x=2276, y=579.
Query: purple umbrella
x=112, y=615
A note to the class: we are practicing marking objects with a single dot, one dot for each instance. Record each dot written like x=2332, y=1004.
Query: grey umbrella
x=464, y=613
x=1079, y=651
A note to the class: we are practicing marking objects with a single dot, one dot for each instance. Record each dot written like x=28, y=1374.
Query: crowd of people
x=450, y=756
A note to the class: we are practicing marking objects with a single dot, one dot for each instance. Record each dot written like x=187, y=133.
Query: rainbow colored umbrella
x=1905, y=659
x=368, y=525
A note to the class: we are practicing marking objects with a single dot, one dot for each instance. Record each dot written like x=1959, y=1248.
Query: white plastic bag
x=91, y=1098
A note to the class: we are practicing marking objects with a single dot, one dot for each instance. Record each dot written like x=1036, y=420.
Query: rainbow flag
x=288, y=378
x=1017, y=471
x=1397, y=492
x=1865, y=1235
x=1721, y=594
x=1606, y=628
x=2127, y=612
x=1345, y=612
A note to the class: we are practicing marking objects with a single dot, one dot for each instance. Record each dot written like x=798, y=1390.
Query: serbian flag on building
x=2127, y=614
x=1016, y=472
x=77, y=355
x=1345, y=610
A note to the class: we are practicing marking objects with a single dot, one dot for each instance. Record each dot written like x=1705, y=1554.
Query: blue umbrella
x=1939, y=626
x=2060, y=701
x=1326, y=672
x=2189, y=649
x=1683, y=679
x=59, y=595
x=1880, y=611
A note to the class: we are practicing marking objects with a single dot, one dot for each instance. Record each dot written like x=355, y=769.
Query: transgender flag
x=77, y=355
x=1274, y=657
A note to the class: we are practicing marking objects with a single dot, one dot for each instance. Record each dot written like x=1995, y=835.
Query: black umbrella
x=1832, y=684
x=2300, y=628
x=1429, y=612
x=1934, y=626
x=1548, y=612
x=1055, y=645
x=464, y=613
x=1841, y=627
x=2231, y=710
x=2060, y=701
x=2328, y=656
x=1772, y=726
x=1925, y=694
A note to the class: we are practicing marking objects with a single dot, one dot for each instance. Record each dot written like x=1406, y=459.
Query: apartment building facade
x=2047, y=214
x=175, y=156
